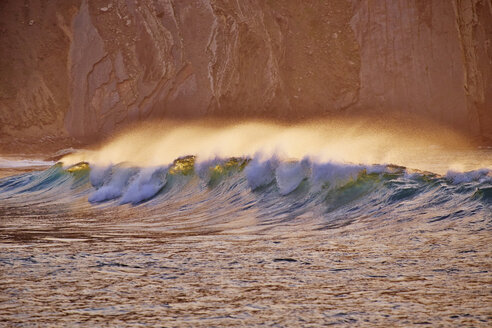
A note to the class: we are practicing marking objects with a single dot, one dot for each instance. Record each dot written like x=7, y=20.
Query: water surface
x=235, y=242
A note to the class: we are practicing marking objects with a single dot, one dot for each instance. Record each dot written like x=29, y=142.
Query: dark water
x=238, y=242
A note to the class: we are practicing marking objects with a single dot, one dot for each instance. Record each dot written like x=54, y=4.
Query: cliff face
x=87, y=67
x=197, y=58
x=474, y=22
x=411, y=59
x=34, y=40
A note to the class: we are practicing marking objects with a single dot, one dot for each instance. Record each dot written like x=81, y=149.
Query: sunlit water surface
x=245, y=243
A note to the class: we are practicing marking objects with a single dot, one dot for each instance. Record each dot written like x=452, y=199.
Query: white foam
x=260, y=172
x=100, y=175
x=105, y=193
x=334, y=174
x=147, y=183
x=481, y=175
x=289, y=175
x=114, y=187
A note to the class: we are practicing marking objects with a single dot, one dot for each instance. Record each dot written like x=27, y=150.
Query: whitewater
x=252, y=224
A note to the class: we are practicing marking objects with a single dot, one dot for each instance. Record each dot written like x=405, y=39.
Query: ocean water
x=246, y=241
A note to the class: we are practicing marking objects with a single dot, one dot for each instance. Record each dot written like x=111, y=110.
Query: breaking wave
x=262, y=191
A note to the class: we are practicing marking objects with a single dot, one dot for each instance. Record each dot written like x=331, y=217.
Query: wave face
x=244, y=193
x=289, y=243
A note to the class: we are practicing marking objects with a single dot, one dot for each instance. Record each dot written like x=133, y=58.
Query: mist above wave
x=158, y=144
x=130, y=184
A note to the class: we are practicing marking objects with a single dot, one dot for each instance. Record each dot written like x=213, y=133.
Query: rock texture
x=429, y=59
x=411, y=59
x=84, y=68
x=34, y=40
x=474, y=24
x=149, y=59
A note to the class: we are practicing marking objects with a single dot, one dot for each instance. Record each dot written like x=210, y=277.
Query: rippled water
x=238, y=242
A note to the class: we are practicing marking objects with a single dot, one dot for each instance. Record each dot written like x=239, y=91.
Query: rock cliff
x=84, y=68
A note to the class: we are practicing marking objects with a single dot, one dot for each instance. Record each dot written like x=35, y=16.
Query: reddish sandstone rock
x=85, y=68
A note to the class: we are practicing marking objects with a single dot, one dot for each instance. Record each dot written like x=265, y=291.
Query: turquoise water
x=241, y=241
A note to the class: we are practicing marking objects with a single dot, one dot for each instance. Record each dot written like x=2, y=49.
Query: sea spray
x=116, y=185
x=147, y=183
x=437, y=150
